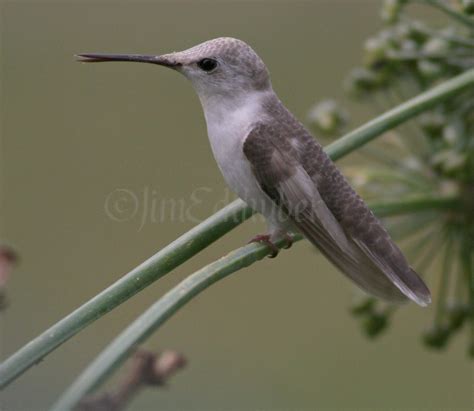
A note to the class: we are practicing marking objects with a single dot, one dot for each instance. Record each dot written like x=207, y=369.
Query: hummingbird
x=273, y=163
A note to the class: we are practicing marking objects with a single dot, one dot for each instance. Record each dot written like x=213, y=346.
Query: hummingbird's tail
x=385, y=283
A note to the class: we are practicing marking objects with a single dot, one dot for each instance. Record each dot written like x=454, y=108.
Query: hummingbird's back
x=369, y=257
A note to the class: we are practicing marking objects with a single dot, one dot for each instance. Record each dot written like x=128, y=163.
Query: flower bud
x=448, y=160
x=328, y=117
x=432, y=121
x=361, y=81
x=377, y=49
x=436, y=337
x=453, y=133
x=374, y=324
x=364, y=305
x=467, y=6
x=457, y=314
x=429, y=69
x=436, y=46
x=391, y=10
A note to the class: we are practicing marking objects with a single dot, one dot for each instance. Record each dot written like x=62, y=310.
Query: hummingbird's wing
x=296, y=174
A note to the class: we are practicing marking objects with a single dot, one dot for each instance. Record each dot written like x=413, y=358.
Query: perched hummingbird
x=271, y=161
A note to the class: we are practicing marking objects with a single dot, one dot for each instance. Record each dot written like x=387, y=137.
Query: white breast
x=228, y=124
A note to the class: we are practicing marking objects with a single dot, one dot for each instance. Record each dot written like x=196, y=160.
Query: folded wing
x=298, y=176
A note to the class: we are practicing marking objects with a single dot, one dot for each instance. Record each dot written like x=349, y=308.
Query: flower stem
x=443, y=285
x=173, y=255
x=460, y=17
x=401, y=113
x=206, y=233
x=467, y=261
x=414, y=204
x=148, y=322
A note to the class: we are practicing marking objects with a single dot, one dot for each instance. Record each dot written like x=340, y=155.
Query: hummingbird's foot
x=265, y=239
x=289, y=241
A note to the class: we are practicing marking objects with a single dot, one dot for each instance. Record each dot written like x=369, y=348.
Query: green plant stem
x=460, y=17
x=401, y=113
x=173, y=255
x=408, y=56
x=408, y=227
x=467, y=268
x=415, y=204
x=148, y=322
x=443, y=284
x=453, y=38
x=156, y=315
x=205, y=233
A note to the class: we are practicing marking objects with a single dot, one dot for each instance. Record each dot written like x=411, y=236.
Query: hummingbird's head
x=223, y=67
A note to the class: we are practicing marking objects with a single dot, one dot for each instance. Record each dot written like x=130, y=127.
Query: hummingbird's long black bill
x=138, y=58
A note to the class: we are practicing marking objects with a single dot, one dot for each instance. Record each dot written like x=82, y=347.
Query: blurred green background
x=93, y=157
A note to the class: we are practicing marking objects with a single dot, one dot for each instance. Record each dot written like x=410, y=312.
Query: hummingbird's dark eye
x=207, y=64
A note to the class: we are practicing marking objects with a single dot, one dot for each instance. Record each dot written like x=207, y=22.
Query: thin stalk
x=204, y=234
x=170, y=257
x=402, y=230
x=467, y=261
x=453, y=38
x=386, y=175
x=418, y=142
x=416, y=204
x=148, y=322
x=443, y=284
x=401, y=113
x=460, y=17
x=379, y=155
x=426, y=260
x=155, y=316
x=420, y=55
x=420, y=243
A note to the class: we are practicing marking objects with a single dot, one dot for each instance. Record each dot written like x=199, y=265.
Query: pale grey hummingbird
x=271, y=161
